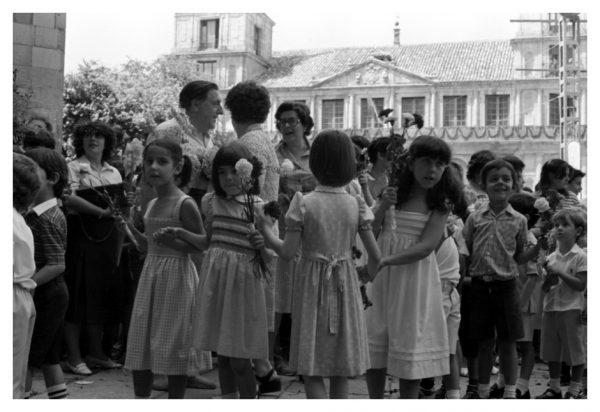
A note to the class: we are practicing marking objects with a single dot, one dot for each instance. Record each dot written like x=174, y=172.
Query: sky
x=147, y=35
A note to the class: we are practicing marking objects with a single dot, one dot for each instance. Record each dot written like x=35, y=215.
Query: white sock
x=510, y=392
x=555, y=384
x=483, y=389
x=500, y=380
x=58, y=391
x=453, y=394
x=523, y=385
x=575, y=387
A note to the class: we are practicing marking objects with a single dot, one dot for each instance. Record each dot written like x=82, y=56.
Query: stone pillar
x=350, y=117
x=38, y=58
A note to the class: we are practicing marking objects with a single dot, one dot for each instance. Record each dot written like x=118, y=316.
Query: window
x=553, y=104
x=333, y=114
x=413, y=105
x=207, y=68
x=232, y=75
x=369, y=111
x=257, y=33
x=496, y=109
x=455, y=110
x=209, y=34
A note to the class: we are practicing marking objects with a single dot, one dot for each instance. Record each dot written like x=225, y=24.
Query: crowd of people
x=326, y=258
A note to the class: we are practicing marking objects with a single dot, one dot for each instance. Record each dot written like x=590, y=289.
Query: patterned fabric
x=533, y=302
x=328, y=327
x=160, y=333
x=49, y=229
x=259, y=144
x=562, y=297
x=406, y=324
x=493, y=241
x=231, y=316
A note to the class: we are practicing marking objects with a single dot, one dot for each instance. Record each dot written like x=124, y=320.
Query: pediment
x=373, y=72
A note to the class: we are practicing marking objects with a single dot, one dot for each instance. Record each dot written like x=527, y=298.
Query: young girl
x=554, y=178
x=231, y=317
x=328, y=328
x=407, y=326
x=160, y=332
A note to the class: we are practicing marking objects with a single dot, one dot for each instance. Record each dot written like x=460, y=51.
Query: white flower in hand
x=243, y=168
x=542, y=205
x=286, y=167
x=85, y=169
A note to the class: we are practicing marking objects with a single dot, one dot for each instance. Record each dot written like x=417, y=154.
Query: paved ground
x=117, y=384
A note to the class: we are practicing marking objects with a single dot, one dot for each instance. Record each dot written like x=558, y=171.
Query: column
x=350, y=117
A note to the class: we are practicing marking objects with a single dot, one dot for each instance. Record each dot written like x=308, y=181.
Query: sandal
x=79, y=369
x=268, y=383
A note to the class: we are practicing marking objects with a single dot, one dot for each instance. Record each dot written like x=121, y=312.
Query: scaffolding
x=565, y=64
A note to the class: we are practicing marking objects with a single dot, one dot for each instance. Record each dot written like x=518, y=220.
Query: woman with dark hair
x=294, y=122
x=249, y=104
x=93, y=246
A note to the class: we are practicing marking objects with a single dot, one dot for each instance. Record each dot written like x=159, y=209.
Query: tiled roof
x=446, y=62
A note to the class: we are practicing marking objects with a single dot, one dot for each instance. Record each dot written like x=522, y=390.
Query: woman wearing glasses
x=295, y=124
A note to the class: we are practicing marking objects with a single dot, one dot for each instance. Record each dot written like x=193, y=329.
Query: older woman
x=294, y=122
x=249, y=104
x=93, y=246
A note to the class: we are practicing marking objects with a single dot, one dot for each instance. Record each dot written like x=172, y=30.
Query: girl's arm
x=200, y=242
x=363, y=181
x=430, y=238
x=286, y=248
x=80, y=205
x=190, y=219
x=47, y=273
x=577, y=281
x=388, y=198
x=370, y=244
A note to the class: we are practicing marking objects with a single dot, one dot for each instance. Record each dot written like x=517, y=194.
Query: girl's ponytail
x=184, y=177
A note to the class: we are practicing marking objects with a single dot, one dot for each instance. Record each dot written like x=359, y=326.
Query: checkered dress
x=160, y=333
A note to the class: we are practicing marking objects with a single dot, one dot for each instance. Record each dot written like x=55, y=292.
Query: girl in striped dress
x=231, y=315
x=160, y=332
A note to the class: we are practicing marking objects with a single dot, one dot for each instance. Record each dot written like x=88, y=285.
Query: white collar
x=44, y=206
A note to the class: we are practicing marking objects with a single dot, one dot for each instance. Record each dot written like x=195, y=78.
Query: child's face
x=499, y=185
x=159, y=167
x=229, y=180
x=565, y=232
x=46, y=187
x=559, y=183
x=427, y=171
x=575, y=185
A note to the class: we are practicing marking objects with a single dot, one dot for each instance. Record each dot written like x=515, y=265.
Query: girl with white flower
x=231, y=314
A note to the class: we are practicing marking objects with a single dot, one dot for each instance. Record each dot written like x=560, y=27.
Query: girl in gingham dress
x=231, y=315
x=160, y=332
x=329, y=334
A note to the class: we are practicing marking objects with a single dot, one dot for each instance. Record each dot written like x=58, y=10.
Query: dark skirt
x=94, y=283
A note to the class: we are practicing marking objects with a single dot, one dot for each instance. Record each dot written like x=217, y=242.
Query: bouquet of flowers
x=396, y=152
x=546, y=206
x=249, y=171
x=206, y=161
x=132, y=158
x=286, y=167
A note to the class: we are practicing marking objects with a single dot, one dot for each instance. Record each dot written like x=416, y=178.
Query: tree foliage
x=136, y=97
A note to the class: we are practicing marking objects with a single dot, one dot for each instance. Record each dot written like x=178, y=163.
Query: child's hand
x=389, y=196
x=165, y=234
x=382, y=264
x=256, y=239
x=363, y=179
x=265, y=222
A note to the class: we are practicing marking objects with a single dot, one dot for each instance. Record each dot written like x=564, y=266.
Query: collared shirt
x=561, y=296
x=81, y=174
x=493, y=239
x=23, y=249
x=301, y=162
x=259, y=144
x=49, y=227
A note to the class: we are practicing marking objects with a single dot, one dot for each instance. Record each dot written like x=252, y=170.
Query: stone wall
x=38, y=58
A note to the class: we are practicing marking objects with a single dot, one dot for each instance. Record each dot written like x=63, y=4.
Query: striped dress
x=160, y=332
x=231, y=315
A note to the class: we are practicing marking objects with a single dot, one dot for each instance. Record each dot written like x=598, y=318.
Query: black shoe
x=550, y=394
x=440, y=393
x=526, y=395
x=496, y=392
x=579, y=395
x=268, y=383
x=472, y=392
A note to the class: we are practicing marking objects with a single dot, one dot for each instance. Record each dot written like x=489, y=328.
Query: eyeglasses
x=292, y=122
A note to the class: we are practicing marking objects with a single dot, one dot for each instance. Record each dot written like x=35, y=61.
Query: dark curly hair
x=229, y=155
x=559, y=169
x=26, y=182
x=197, y=89
x=378, y=149
x=99, y=129
x=37, y=138
x=53, y=164
x=476, y=163
x=447, y=192
x=524, y=204
x=248, y=102
x=301, y=110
